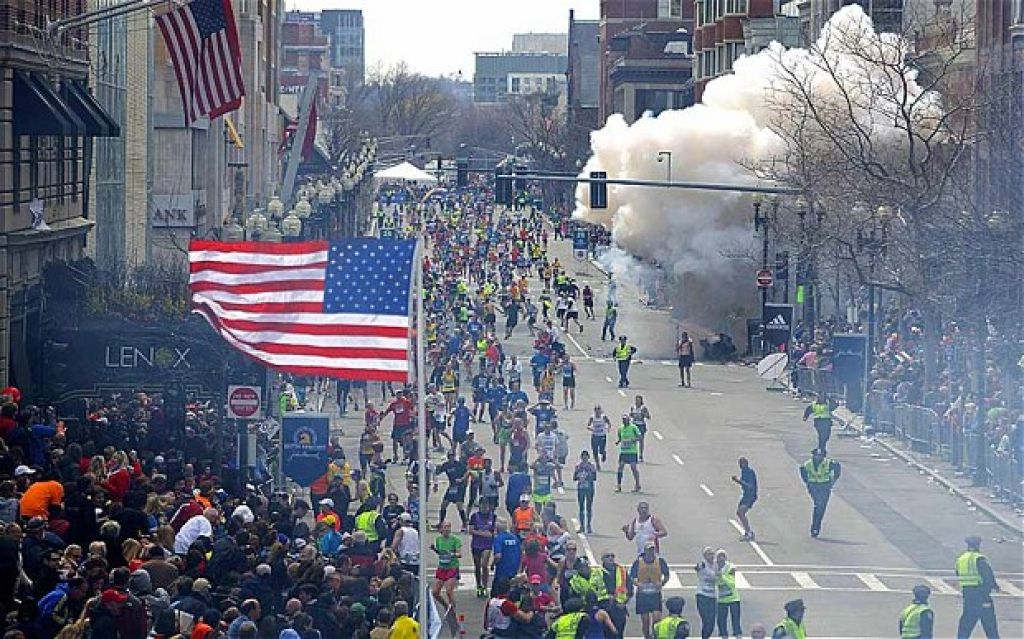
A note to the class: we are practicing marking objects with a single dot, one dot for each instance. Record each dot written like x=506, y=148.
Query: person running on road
x=644, y=527
x=543, y=479
x=628, y=441
x=448, y=549
x=568, y=368
x=639, y=414
x=649, y=573
x=611, y=315
x=684, y=350
x=747, y=481
x=599, y=425
x=588, y=301
x=623, y=355
x=917, y=621
x=728, y=596
x=458, y=480
x=585, y=475
x=481, y=529
x=977, y=581
x=821, y=409
x=792, y=627
x=572, y=314
x=819, y=474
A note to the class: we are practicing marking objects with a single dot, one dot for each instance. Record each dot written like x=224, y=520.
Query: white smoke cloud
x=696, y=235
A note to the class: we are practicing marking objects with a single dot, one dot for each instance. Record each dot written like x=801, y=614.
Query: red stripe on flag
x=267, y=248
x=238, y=268
x=260, y=287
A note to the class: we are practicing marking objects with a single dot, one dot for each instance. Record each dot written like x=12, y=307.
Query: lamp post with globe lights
x=873, y=243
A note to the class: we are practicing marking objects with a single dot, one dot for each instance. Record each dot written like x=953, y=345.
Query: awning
x=98, y=123
x=38, y=110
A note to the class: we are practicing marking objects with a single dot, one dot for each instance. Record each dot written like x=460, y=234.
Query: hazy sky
x=438, y=37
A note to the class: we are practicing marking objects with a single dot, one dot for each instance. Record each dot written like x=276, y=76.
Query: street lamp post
x=874, y=244
x=666, y=156
x=761, y=223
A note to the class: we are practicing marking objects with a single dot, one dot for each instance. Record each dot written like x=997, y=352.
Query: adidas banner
x=778, y=325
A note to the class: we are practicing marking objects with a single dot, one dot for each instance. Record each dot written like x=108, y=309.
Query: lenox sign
x=166, y=358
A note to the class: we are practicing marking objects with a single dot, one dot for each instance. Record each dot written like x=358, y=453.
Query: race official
x=819, y=474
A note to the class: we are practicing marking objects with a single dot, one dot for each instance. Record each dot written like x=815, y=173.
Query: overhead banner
x=304, y=450
x=778, y=325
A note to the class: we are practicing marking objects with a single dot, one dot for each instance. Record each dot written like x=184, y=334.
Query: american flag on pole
x=202, y=40
x=336, y=309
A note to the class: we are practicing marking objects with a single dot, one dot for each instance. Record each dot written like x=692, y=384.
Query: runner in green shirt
x=449, y=549
x=628, y=441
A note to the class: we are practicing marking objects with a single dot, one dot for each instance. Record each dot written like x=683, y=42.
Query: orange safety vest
x=621, y=592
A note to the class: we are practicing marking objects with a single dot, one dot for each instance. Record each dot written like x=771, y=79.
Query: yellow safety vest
x=792, y=629
x=597, y=583
x=967, y=569
x=820, y=411
x=366, y=522
x=565, y=627
x=727, y=592
x=623, y=352
x=580, y=585
x=666, y=628
x=820, y=475
x=910, y=620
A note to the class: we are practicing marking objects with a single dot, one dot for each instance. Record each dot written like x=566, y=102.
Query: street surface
x=887, y=528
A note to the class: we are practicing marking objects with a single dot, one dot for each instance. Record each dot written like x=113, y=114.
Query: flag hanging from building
x=337, y=309
x=202, y=41
x=288, y=135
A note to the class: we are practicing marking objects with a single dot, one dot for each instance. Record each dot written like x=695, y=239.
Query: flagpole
x=421, y=433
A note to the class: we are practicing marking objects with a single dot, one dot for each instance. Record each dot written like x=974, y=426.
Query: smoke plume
x=704, y=240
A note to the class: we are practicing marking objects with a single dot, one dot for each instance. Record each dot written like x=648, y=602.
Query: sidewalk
x=943, y=473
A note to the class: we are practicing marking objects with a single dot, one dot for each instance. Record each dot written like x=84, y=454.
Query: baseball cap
x=113, y=596
x=201, y=585
x=405, y=517
x=23, y=470
x=524, y=498
x=327, y=501
x=796, y=604
x=535, y=579
x=263, y=569
x=357, y=608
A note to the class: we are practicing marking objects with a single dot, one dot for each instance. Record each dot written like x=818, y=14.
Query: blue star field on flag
x=368, y=275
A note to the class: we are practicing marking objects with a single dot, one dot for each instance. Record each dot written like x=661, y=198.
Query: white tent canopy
x=405, y=172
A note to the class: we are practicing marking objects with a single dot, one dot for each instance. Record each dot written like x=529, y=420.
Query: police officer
x=819, y=474
x=572, y=624
x=821, y=410
x=917, y=620
x=623, y=354
x=792, y=627
x=977, y=582
x=674, y=626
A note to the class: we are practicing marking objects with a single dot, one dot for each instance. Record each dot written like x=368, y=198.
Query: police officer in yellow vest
x=917, y=620
x=819, y=474
x=792, y=627
x=619, y=587
x=580, y=583
x=572, y=623
x=821, y=410
x=674, y=626
x=977, y=581
x=369, y=520
x=623, y=354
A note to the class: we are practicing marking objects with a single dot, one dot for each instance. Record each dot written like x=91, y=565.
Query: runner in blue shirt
x=506, y=551
x=460, y=420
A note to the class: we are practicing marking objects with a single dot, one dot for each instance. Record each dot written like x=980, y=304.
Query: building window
x=670, y=9
x=735, y=7
x=698, y=14
x=515, y=85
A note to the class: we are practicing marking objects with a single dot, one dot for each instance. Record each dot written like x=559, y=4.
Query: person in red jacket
x=8, y=415
x=120, y=478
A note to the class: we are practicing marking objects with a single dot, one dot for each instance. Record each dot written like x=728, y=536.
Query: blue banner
x=304, y=442
x=580, y=240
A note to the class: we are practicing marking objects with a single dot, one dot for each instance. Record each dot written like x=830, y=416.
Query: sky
x=438, y=37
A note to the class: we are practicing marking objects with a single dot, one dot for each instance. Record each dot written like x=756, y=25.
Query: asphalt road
x=887, y=527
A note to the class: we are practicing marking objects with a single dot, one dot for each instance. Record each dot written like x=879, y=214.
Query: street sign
x=387, y=234
x=764, y=278
x=580, y=239
x=580, y=254
x=244, y=402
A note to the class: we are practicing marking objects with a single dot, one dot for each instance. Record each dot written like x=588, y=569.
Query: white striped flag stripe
x=202, y=42
x=303, y=308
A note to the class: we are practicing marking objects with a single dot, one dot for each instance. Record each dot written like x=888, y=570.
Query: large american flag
x=338, y=309
x=202, y=41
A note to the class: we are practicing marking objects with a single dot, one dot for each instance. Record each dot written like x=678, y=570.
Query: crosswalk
x=828, y=579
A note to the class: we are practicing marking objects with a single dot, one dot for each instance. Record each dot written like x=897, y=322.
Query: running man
x=599, y=425
x=684, y=350
x=747, y=481
x=628, y=441
x=448, y=548
x=639, y=414
x=568, y=383
x=481, y=529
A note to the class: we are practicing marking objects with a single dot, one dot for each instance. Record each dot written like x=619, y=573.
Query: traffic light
x=598, y=190
x=461, y=173
x=502, y=187
x=519, y=184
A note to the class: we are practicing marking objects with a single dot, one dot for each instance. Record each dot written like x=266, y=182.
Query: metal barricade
x=1004, y=475
x=879, y=412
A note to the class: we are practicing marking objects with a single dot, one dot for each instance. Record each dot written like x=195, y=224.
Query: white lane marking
x=698, y=363
x=577, y=345
x=657, y=435
x=872, y=582
x=586, y=545
x=622, y=392
x=600, y=360
x=608, y=379
x=707, y=490
x=941, y=587
x=1009, y=589
x=678, y=459
x=741, y=581
x=804, y=580
x=716, y=394
x=753, y=544
x=673, y=582
x=667, y=363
